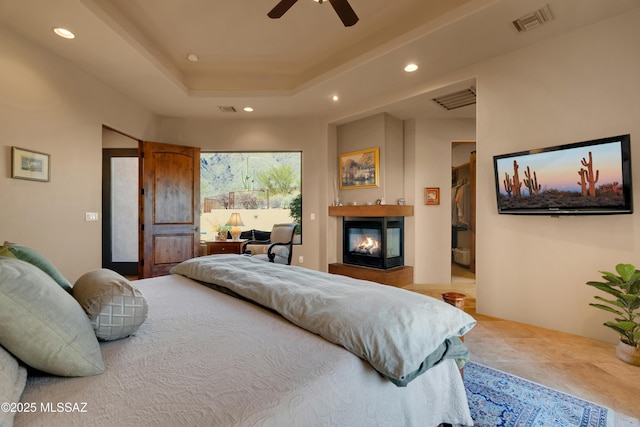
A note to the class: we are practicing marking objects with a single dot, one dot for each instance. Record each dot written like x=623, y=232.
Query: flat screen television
x=583, y=178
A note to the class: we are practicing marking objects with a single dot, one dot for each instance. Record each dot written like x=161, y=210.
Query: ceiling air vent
x=533, y=19
x=457, y=99
x=227, y=108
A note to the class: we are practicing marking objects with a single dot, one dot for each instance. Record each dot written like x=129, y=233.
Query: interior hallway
x=583, y=367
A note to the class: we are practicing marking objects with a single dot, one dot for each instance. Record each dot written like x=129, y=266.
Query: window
x=263, y=187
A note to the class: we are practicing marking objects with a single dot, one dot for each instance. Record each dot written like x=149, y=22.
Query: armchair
x=278, y=248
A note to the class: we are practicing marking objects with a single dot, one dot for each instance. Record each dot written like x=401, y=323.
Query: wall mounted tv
x=583, y=178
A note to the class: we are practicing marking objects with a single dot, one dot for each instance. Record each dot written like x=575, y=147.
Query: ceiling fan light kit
x=342, y=8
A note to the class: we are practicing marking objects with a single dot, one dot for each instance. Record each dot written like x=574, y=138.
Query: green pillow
x=43, y=325
x=33, y=257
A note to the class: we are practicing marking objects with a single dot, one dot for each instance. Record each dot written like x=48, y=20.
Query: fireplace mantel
x=371, y=210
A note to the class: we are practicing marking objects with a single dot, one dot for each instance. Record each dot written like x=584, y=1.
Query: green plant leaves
x=606, y=308
x=624, y=326
x=625, y=271
x=605, y=287
x=625, y=288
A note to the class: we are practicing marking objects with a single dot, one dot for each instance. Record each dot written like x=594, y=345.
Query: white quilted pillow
x=114, y=305
x=13, y=377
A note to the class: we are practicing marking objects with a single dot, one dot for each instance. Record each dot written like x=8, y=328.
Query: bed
x=210, y=354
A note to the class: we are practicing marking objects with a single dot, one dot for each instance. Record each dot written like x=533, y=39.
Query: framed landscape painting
x=432, y=196
x=28, y=164
x=360, y=169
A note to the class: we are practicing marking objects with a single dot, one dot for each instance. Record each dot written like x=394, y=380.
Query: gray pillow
x=13, y=377
x=32, y=256
x=114, y=305
x=42, y=325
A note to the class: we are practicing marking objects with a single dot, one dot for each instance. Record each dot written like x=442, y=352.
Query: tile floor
x=583, y=367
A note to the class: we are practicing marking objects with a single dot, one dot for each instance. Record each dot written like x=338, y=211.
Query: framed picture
x=432, y=196
x=28, y=164
x=359, y=169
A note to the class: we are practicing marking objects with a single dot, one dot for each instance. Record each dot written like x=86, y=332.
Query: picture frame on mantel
x=359, y=169
x=432, y=196
x=29, y=164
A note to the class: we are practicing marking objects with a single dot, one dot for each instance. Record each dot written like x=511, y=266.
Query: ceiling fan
x=342, y=8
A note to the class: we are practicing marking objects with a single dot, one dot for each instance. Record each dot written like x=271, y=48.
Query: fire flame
x=368, y=246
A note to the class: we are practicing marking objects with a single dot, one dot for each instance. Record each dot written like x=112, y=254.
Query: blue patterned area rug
x=500, y=399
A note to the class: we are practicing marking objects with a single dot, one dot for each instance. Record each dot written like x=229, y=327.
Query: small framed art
x=359, y=169
x=432, y=196
x=28, y=164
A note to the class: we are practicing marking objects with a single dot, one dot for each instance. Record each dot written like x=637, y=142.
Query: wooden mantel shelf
x=371, y=210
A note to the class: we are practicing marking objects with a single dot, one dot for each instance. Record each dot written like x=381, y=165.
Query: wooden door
x=472, y=224
x=169, y=206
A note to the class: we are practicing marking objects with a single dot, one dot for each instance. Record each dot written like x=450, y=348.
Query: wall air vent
x=457, y=99
x=227, y=108
x=533, y=19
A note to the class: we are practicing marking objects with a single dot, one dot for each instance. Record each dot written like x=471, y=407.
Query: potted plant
x=625, y=288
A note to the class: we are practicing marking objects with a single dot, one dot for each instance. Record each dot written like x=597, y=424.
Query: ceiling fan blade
x=281, y=8
x=345, y=12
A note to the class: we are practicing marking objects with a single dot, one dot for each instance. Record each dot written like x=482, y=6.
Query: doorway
x=463, y=213
x=119, y=202
x=120, y=210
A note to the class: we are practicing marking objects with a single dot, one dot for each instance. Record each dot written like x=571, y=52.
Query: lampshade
x=235, y=221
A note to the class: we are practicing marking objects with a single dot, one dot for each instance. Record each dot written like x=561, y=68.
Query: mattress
x=205, y=358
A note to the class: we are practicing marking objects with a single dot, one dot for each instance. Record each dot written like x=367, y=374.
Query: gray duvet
x=400, y=333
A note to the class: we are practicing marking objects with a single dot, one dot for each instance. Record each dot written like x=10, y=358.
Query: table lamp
x=235, y=222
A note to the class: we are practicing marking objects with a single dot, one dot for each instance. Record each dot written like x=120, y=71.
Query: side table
x=225, y=246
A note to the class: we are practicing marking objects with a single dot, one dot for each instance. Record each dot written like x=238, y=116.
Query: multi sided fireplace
x=376, y=242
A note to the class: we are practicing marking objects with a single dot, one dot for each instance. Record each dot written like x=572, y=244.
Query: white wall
x=430, y=141
x=50, y=106
x=385, y=132
x=461, y=152
x=576, y=87
x=308, y=136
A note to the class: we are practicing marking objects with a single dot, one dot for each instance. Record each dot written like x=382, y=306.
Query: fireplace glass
x=365, y=241
x=394, y=242
x=373, y=241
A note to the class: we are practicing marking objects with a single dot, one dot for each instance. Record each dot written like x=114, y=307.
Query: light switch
x=91, y=216
x=313, y=216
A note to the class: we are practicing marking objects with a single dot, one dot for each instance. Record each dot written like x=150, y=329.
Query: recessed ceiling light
x=335, y=97
x=192, y=57
x=248, y=109
x=64, y=33
x=410, y=68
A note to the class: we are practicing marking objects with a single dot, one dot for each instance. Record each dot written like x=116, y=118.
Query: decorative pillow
x=281, y=251
x=247, y=234
x=262, y=235
x=114, y=305
x=255, y=235
x=13, y=377
x=43, y=325
x=33, y=257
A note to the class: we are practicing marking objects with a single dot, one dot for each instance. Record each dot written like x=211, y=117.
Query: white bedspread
x=204, y=358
